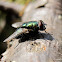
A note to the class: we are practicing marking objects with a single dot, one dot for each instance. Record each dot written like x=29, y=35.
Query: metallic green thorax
x=30, y=25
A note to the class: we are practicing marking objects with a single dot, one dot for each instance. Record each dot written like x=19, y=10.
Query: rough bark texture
x=41, y=47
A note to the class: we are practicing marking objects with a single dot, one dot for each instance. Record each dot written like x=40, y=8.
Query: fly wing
x=15, y=34
x=17, y=24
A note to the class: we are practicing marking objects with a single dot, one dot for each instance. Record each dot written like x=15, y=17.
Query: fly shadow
x=33, y=36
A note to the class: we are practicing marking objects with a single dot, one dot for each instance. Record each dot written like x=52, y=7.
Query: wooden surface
x=41, y=47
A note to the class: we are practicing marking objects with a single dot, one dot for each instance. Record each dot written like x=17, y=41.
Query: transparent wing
x=15, y=34
x=17, y=24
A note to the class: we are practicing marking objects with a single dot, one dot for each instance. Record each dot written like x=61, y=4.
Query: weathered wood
x=37, y=48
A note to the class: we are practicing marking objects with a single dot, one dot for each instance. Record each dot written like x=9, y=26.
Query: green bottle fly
x=34, y=25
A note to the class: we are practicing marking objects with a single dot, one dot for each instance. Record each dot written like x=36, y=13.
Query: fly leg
x=47, y=32
x=8, y=44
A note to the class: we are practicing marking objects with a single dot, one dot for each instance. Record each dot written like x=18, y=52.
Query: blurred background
x=11, y=11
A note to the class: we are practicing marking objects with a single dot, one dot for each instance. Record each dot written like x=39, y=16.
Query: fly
x=24, y=27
